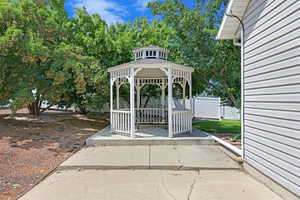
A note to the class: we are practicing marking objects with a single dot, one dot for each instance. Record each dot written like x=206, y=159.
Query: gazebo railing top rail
x=121, y=110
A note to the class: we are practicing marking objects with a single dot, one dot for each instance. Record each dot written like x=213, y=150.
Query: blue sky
x=113, y=11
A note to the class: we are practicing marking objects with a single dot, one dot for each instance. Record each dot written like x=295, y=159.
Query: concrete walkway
x=151, y=157
x=150, y=185
x=150, y=172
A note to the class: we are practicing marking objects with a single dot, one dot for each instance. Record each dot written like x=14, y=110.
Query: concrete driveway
x=150, y=185
x=204, y=172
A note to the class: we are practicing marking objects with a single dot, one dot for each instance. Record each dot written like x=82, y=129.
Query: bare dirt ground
x=31, y=147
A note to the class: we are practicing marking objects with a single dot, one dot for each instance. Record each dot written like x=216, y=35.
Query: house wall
x=272, y=90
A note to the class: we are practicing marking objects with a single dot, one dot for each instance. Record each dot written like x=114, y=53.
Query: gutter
x=241, y=151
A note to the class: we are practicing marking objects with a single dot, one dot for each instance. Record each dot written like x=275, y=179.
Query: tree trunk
x=146, y=102
x=83, y=110
x=34, y=108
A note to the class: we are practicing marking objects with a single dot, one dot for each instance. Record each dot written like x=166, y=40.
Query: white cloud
x=141, y=5
x=110, y=11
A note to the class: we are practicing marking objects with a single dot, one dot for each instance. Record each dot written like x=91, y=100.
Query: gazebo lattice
x=151, y=67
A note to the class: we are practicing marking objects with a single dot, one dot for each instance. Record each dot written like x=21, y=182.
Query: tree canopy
x=38, y=63
x=48, y=57
x=216, y=63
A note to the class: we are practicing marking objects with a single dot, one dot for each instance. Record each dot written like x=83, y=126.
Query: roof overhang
x=163, y=64
x=229, y=28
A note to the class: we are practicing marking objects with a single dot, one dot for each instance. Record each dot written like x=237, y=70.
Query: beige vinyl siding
x=272, y=90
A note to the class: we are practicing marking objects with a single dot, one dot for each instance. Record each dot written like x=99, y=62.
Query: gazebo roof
x=151, y=63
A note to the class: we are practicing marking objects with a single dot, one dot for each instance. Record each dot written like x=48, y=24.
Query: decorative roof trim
x=165, y=65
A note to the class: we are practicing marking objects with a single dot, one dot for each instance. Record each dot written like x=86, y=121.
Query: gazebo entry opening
x=151, y=73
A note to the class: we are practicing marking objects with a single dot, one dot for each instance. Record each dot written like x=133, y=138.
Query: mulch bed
x=32, y=147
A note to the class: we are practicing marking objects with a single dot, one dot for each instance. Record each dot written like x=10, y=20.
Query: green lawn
x=225, y=126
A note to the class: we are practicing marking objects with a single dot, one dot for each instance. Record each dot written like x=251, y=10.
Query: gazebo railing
x=181, y=121
x=151, y=115
x=120, y=121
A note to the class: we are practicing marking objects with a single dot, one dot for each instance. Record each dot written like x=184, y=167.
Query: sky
x=115, y=11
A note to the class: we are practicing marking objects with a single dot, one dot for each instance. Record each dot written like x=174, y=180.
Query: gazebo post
x=111, y=103
x=118, y=94
x=138, y=97
x=163, y=95
x=170, y=98
x=132, y=112
x=184, y=93
x=191, y=103
x=163, y=91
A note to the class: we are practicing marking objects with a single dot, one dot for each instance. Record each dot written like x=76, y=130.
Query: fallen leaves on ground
x=31, y=147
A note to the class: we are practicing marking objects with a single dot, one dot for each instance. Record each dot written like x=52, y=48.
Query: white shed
x=269, y=34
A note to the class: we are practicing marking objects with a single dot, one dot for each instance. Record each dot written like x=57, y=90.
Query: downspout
x=241, y=44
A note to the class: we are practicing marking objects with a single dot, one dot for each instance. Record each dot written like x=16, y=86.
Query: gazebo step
x=150, y=136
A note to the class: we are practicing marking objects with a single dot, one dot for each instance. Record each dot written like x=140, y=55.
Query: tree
x=89, y=33
x=37, y=62
x=126, y=37
x=216, y=63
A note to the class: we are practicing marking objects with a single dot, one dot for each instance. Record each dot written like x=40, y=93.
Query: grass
x=222, y=127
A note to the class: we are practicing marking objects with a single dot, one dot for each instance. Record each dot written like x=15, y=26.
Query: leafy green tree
x=216, y=63
x=142, y=32
x=89, y=33
x=37, y=63
x=46, y=56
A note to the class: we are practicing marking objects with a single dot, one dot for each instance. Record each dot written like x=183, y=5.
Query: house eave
x=229, y=28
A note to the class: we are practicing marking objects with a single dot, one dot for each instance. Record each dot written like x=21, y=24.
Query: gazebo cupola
x=151, y=52
x=151, y=68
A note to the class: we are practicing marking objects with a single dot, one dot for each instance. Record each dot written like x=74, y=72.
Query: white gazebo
x=151, y=67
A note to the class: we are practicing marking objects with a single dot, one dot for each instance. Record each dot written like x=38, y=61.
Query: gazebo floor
x=148, y=136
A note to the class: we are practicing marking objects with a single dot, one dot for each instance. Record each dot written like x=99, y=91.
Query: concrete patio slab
x=149, y=185
x=148, y=136
x=210, y=156
x=190, y=157
x=152, y=157
x=223, y=185
x=164, y=157
x=110, y=157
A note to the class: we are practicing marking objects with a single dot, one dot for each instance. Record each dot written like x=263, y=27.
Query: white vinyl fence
x=207, y=107
x=228, y=112
x=203, y=107
x=212, y=108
